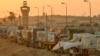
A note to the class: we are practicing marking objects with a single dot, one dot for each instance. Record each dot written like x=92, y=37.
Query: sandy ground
x=8, y=48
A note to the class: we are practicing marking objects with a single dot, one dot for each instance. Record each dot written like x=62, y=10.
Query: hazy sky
x=75, y=7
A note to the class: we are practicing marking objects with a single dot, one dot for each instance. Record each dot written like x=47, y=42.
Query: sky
x=74, y=7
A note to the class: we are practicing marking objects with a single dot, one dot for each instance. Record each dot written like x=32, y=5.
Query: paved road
x=8, y=48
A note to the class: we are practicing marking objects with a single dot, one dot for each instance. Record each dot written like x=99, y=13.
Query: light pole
x=19, y=19
x=89, y=10
x=66, y=12
x=51, y=12
x=38, y=16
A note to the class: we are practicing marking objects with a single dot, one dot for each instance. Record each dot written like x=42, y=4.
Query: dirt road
x=8, y=48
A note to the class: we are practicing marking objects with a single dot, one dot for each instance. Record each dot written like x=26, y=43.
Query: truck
x=3, y=31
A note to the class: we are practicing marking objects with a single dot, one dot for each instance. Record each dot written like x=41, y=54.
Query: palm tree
x=12, y=17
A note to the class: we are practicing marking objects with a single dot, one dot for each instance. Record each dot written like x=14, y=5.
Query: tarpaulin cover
x=66, y=45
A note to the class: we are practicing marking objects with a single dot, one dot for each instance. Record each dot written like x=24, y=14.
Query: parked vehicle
x=12, y=33
x=37, y=39
x=3, y=31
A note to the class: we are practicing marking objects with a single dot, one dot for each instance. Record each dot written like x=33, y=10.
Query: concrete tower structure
x=25, y=14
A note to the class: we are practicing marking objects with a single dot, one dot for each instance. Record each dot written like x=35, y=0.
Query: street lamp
x=66, y=11
x=51, y=11
x=19, y=19
x=38, y=16
x=89, y=10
